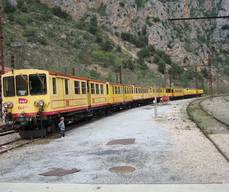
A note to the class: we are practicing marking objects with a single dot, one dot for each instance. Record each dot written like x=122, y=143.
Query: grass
x=204, y=121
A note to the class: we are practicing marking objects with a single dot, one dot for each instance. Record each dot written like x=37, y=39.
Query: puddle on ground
x=59, y=172
x=128, y=141
x=122, y=169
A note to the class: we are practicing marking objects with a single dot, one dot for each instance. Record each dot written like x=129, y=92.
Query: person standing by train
x=61, y=126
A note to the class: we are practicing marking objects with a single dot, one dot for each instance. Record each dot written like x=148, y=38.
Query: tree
x=93, y=27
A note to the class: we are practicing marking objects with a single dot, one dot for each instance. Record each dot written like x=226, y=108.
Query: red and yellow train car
x=35, y=99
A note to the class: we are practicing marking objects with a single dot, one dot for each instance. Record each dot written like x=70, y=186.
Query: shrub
x=140, y=3
x=175, y=71
x=129, y=64
x=10, y=16
x=60, y=13
x=30, y=32
x=21, y=5
x=146, y=52
x=102, y=10
x=107, y=46
x=106, y=57
x=8, y=7
x=161, y=67
x=225, y=27
x=165, y=57
x=156, y=19
x=119, y=49
x=94, y=74
x=138, y=41
x=121, y=4
x=22, y=20
x=93, y=26
x=42, y=40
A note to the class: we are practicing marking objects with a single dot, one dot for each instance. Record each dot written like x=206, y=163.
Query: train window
x=77, y=87
x=113, y=90
x=92, y=88
x=54, y=86
x=101, y=89
x=97, y=88
x=116, y=90
x=84, y=88
x=21, y=85
x=8, y=86
x=37, y=84
x=66, y=86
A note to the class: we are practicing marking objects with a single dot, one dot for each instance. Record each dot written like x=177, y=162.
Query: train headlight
x=41, y=103
x=8, y=105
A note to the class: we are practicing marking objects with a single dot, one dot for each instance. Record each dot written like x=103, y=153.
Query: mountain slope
x=141, y=37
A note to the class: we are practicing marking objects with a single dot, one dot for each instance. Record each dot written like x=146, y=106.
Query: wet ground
x=127, y=147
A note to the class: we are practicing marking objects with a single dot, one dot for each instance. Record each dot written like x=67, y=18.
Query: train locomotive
x=34, y=100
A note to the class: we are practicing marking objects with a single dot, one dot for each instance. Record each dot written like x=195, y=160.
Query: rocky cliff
x=141, y=29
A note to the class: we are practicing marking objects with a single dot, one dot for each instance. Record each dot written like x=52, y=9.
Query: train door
x=89, y=93
x=57, y=100
x=60, y=92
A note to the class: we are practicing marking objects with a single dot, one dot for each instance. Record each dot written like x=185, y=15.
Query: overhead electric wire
x=199, y=18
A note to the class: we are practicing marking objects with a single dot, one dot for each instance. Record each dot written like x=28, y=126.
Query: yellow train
x=33, y=100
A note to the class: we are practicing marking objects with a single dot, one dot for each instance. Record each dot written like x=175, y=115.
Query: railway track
x=7, y=132
x=13, y=144
x=199, y=116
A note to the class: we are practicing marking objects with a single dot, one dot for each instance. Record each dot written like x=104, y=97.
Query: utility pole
x=210, y=90
x=196, y=81
x=12, y=60
x=1, y=41
x=73, y=71
x=165, y=76
x=120, y=74
x=155, y=99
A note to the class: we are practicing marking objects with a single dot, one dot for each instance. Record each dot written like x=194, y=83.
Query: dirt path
x=168, y=149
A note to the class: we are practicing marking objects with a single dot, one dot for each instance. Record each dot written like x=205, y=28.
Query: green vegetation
x=138, y=41
x=93, y=26
x=60, y=13
x=102, y=10
x=140, y=3
x=146, y=52
x=151, y=20
x=8, y=8
x=225, y=27
x=51, y=40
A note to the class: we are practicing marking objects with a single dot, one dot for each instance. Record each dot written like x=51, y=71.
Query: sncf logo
x=22, y=100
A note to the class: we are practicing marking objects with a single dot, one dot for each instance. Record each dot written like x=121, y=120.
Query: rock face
x=187, y=42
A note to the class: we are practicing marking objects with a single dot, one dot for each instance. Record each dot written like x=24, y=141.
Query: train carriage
x=138, y=93
x=67, y=94
x=35, y=99
x=177, y=93
x=128, y=93
x=116, y=96
x=97, y=95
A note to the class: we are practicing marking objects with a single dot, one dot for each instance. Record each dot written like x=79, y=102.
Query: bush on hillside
x=60, y=13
